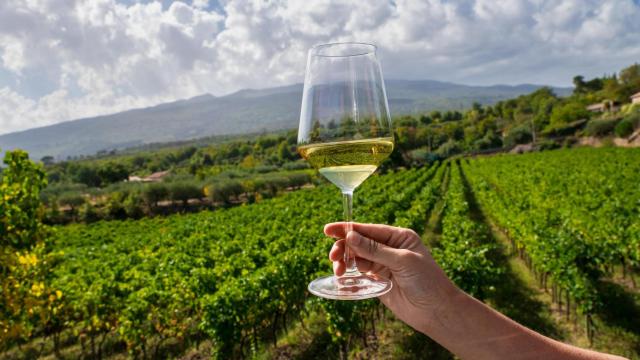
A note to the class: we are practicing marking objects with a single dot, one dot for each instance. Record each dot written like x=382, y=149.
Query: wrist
x=444, y=307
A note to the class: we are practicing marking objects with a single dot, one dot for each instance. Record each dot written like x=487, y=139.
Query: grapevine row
x=463, y=250
x=571, y=215
x=232, y=275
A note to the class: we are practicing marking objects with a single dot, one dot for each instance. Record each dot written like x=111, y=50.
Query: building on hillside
x=598, y=107
x=605, y=106
x=134, y=178
x=635, y=98
x=155, y=177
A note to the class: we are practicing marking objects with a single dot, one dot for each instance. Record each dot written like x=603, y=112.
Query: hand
x=423, y=297
x=420, y=287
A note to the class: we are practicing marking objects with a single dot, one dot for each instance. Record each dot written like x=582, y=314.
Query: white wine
x=348, y=177
x=347, y=163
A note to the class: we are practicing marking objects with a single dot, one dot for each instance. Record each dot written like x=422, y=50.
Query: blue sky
x=66, y=59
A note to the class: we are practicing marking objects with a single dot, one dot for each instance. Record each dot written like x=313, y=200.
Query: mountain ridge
x=274, y=108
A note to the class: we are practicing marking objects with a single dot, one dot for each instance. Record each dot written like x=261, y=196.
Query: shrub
x=153, y=193
x=296, y=180
x=568, y=113
x=547, y=145
x=600, y=127
x=624, y=128
x=569, y=141
x=183, y=191
x=265, y=169
x=132, y=205
x=449, y=148
x=275, y=182
x=489, y=141
x=423, y=156
x=114, y=207
x=633, y=116
x=296, y=165
x=223, y=191
x=71, y=200
x=518, y=135
x=88, y=213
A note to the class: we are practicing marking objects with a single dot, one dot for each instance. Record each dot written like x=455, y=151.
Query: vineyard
x=236, y=278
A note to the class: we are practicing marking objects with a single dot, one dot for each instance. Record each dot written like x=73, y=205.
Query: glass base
x=358, y=287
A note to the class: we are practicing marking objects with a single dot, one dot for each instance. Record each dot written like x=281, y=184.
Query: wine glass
x=345, y=133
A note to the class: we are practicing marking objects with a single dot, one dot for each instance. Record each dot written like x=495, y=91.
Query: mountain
x=246, y=111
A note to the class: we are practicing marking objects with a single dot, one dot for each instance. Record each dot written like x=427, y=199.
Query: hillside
x=246, y=111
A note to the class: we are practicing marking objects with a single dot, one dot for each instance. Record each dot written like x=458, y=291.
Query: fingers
x=373, y=251
x=380, y=233
x=337, y=250
x=339, y=267
x=336, y=255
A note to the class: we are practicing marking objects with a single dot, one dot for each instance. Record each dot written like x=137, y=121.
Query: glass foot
x=357, y=287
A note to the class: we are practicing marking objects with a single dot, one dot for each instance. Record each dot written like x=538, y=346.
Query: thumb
x=372, y=250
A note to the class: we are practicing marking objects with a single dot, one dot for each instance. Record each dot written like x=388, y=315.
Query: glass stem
x=349, y=258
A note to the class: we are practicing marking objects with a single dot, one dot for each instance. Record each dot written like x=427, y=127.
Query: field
x=551, y=239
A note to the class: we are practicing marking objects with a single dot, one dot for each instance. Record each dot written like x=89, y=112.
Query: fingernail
x=355, y=238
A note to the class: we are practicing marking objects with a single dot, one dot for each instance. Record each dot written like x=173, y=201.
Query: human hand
x=420, y=287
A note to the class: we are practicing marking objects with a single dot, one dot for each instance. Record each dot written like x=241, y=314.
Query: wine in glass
x=345, y=133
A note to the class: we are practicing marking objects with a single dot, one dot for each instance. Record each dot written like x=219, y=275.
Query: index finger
x=378, y=232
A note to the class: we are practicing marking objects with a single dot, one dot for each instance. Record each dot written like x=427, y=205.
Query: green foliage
x=154, y=193
x=547, y=145
x=234, y=275
x=463, y=250
x=573, y=212
x=132, y=205
x=633, y=116
x=518, y=135
x=183, y=191
x=71, y=200
x=88, y=213
x=20, y=208
x=449, y=148
x=569, y=112
x=600, y=127
x=624, y=128
x=584, y=87
x=27, y=304
x=224, y=191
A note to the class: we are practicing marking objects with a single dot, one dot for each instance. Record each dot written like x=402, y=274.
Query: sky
x=66, y=59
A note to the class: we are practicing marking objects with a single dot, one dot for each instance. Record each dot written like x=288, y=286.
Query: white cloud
x=102, y=56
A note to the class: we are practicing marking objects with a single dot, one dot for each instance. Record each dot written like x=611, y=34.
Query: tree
x=425, y=120
x=26, y=301
x=518, y=135
x=73, y=201
x=568, y=113
x=630, y=75
x=47, y=160
x=578, y=84
x=284, y=153
x=222, y=191
x=629, y=79
x=85, y=174
x=153, y=193
x=112, y=172
x=20, y=208
x=449, y=148
x=183, y=191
